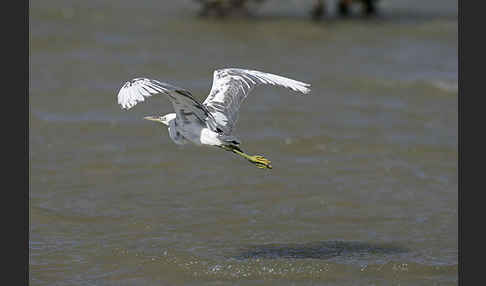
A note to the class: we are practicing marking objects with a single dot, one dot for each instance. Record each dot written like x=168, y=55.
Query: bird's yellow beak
x=153, y=118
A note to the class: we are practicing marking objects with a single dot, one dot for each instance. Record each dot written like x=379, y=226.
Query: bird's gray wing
x=231, y=86
x=185, y=105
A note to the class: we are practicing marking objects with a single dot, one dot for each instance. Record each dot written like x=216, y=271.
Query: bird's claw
x=261, y=162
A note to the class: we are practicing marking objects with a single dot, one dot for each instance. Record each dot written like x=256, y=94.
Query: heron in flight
x=212, y=122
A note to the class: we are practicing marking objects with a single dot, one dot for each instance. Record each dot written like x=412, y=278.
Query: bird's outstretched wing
x=231, y=86
x=136, y=90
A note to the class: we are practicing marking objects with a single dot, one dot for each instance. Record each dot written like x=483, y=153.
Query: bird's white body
x=192, y=131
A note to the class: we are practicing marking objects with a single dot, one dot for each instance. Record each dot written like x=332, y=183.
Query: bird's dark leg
x=212, y=7
x=369, y=7
x=259, y=161
x=318, y=10
x=343, y=7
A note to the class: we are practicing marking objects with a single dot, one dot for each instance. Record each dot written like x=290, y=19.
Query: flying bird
x=211, y=122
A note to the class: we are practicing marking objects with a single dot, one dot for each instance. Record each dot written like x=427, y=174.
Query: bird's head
x=162, y=119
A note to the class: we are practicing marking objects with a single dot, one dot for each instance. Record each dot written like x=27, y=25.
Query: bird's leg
x=259, y=161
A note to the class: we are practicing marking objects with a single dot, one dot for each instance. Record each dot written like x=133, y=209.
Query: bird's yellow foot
x=260, y=162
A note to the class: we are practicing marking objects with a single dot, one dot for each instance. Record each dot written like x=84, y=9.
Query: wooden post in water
x=369, y=7
x=223, y=8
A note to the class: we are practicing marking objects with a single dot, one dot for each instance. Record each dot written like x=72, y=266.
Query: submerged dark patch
x=318, y=250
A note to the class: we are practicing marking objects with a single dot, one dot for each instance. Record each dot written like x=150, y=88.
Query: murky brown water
x=364, y=185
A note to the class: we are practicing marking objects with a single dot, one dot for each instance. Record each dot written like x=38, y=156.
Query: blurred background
x=364, y=185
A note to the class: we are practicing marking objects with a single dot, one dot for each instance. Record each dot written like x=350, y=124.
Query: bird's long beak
x=153, y=118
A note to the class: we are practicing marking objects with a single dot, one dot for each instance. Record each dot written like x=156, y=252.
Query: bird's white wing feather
x=136, y=90
x=231, y=86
